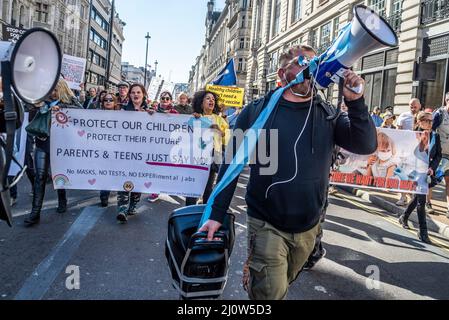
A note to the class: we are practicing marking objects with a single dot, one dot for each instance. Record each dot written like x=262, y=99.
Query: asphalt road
x=368, y=255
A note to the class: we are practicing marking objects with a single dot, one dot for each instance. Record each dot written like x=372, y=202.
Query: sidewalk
x=387, y=201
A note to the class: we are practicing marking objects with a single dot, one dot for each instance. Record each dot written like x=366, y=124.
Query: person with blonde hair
x=183, y=106
x=61, y=97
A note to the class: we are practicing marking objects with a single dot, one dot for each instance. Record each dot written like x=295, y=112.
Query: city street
x=127, y=261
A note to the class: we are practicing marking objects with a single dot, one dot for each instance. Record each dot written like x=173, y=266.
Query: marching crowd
x=285, y=210
x=127, y=98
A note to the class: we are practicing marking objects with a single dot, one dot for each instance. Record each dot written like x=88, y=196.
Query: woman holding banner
x=431, y=145
x=126, y=201
x=109, y=102
x=62, y=97
x=205, y=104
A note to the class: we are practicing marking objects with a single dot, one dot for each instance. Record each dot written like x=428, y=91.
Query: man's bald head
x=415, y=105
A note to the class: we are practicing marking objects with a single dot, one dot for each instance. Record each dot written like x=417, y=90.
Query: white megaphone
x=366, y=32
x=35, y=64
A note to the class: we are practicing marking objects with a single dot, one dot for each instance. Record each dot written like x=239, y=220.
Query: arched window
x=22, y=17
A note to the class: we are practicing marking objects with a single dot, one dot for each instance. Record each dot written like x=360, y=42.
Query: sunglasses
x=108, y=100
x=165, y=99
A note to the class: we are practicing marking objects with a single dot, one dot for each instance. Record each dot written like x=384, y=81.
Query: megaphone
x=29, y=70
x=365, y=33
x=35, y=64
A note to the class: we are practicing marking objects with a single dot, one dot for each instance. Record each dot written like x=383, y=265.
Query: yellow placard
x=229, y=96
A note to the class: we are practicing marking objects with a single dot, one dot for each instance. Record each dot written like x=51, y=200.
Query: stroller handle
x=200, y=238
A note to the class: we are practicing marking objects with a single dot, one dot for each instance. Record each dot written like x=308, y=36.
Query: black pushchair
x=199, y=268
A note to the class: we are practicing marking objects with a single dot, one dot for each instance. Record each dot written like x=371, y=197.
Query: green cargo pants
x=275, y=258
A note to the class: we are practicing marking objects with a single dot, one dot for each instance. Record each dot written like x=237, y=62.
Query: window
x=325, y=35
x=240, y=66
x=61, y=20
x=100, y=20
x=314, y=38
x=245, y=4
x=336, y=28
x=296, y=10
x=277, y=16
x=82, y=11
x=41, y=13
x=433, y=91
x=378, y=6
x=274, y=62
x=97, y=39
x=243, y=22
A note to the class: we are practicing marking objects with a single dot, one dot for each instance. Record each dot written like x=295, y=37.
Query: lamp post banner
x=130, y=151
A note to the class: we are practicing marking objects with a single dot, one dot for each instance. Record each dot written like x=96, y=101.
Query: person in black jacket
x=431, y=146
x=284, y=208
x=127, y=201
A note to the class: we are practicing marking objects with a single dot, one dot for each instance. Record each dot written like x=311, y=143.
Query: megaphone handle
x=339, y=101
x=358, y=89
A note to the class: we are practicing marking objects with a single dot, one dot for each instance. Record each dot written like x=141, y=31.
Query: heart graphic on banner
x=92, y=182
x=148, y=185
x=81, y=133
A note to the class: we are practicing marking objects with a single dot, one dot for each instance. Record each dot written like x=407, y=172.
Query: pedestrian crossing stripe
x=394, y=221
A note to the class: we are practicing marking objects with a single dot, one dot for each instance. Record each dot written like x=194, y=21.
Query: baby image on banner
x=400, y=164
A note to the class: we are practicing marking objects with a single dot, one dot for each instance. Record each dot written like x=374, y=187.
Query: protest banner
x=229, y=96
x=400, y=164
x=11, y=34
x=130, y=151
x=73, y=68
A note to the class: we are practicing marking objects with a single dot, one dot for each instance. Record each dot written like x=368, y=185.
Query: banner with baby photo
x=400, y=164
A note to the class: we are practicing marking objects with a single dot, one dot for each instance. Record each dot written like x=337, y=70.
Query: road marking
x=392, y=220
x=241, y=225
x=37, y=285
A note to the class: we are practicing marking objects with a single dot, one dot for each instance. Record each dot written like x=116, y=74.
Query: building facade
x=417, y=67
x=115, y=64
x=68, y=20
x=227, y=37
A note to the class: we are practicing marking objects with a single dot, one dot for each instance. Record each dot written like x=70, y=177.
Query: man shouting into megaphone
x=284, y=208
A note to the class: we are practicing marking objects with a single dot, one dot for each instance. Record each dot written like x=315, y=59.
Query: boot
x=33, y=218
x=424, y=237
x=122, y=216
x=41, y=165
x=403, y=221
x=134, y=200
x=62, y=202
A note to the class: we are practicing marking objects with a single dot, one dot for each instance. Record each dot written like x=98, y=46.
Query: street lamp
x=146, y=60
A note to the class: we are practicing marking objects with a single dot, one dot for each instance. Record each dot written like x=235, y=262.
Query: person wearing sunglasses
x=109, y=102
x=428, y=149
x=127, y=201
x=166, y=103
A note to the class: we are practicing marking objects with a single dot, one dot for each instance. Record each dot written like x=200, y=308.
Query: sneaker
x=153, y=198
x=13, y=202
x=429, y=209
x=402, y=202
x=333, y=190
x=122, y=217
x=132, y=212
